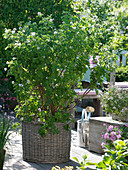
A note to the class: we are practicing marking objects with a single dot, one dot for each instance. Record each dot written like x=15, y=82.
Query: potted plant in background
x=115, y=101
x=7, y=126
x=47, y=62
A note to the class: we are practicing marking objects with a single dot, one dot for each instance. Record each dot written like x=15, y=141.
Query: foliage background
x=122, y=74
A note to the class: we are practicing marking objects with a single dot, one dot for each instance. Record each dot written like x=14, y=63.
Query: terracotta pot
x=2, y=157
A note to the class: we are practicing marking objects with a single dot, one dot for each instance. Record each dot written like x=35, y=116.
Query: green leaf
x=76, y=159
x=84, y=157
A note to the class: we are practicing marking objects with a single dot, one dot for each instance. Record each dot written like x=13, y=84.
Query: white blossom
x=7, y=62
x=55, y=32
x=111, y=27
x=5, y=69
x=38, y=48
x=13, y=32
x=20, y=85
x=89, y=11
x=6, y=30
x=74, y=28
x=12, y=82
x=18, y=44
x=39, y=13
x=33, y=33
x=51, y=20
x=39, y=109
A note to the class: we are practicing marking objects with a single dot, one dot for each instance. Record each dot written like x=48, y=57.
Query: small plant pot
x=2, y=157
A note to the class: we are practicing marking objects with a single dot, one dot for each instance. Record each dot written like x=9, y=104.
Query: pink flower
x=7, y=94
x=102, y=136
x=118, y=136
x=110, y=128
x=104, y=124
x=5, y=114
x=126, y=125
x=103, y=145
x=14, y=98
x=113, y=133
x=106, y=136
x=8, y=98
x=119, y=132
x=112, y=138
x=5, y=79
x=55, y=32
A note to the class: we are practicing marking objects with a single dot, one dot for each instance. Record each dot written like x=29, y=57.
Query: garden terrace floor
x=15, y=161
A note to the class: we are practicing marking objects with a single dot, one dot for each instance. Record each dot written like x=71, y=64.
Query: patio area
x=15, y=161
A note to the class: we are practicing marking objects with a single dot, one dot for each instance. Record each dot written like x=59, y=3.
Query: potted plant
x=115, y=101
x=47, y=62
x=7, y=126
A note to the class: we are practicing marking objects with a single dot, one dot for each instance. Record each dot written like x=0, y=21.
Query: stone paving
x=15, y=161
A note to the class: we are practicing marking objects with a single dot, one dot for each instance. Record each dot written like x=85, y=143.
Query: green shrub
x=13, y=11
x=122, y=74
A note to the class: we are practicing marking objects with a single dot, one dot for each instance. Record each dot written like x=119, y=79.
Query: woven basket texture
x=49, y=149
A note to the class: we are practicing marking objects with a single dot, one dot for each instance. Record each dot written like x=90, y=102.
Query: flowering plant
x=115, y=101
x=7, y=97
x=114, y=133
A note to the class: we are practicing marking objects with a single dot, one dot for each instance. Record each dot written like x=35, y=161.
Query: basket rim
x=39, y=122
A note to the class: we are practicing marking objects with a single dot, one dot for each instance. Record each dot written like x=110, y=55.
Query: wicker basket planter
x=49, y=149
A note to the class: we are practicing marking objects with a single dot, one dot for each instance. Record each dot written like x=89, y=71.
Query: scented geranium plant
x=48, y=61
x=114, y=133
